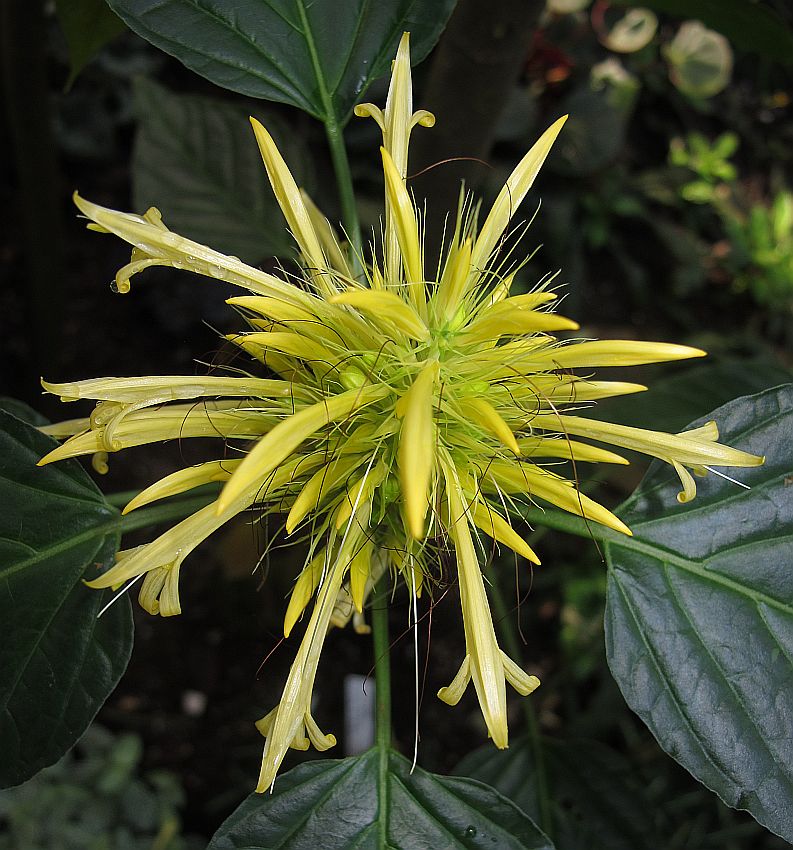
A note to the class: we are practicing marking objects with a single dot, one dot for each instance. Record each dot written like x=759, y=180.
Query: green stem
x=333, y=130
x=382, y=673
x=341, y=167
x=513, y=649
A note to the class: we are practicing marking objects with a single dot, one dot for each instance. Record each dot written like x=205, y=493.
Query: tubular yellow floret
x=404, y=217
x=293, y=207
x=416, y=456
x=512, y=195
x=386, y=308
x=288, y=434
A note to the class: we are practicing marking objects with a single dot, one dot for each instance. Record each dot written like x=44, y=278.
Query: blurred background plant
x=96, y=798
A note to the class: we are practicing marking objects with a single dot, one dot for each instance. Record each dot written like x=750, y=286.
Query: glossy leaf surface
x=362, y=803
x=319, y=57
x=58, y=661
x=699, y=618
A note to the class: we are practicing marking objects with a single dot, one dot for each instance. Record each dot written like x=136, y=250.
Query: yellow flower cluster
x=399, y=412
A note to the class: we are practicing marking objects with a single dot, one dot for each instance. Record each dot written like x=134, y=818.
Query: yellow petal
x=163, y=388
x=360, y=491
x=294, y=209
x=535, y=482
x=360, y=569
x=184, y=480
x=486, y=668
x=317, y=488
x=62, y=430
x=520, y=680
x=404, y=217
x=385, y=308
x=689, y=490
x=613, y=353
x=327, y=237
x=173, y=250
x=569, y=449
x=173, y=422
x=575, y=389
x=304, y=588
x=516, y=322
x=453, y=692
x=416, y=454
x=680, y=447
x=455, y=274
x=494, y=525
x=512, y=195
x=287, y=342
x=288, y=434
x=487, y=417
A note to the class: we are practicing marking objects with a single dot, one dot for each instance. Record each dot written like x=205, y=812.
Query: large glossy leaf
x=699, y=617
x=350, y=804
x=196, y=160
x=595, y=802
x=750, y=26
x=319, y=57
x=58, y=662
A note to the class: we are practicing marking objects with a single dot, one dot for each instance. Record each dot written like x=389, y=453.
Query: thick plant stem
x=382, y=667
x=512, y=646
x=341, y=167
x=382, y=672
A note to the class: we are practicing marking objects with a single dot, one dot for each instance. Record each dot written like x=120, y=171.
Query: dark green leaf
x=319, y=57
x=88, y=26
x=21, y=411
x=58, y=662
x=749, y=26
x=596, y=805
x=337, y=804
x=699, y=617
x=196, y=160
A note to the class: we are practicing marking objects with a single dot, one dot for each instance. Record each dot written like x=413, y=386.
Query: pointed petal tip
x=50, y=457
x=95, y=583
x=223, y=501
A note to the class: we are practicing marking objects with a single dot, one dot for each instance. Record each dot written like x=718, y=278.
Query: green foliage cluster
x=95, y=798
x=760, y=235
